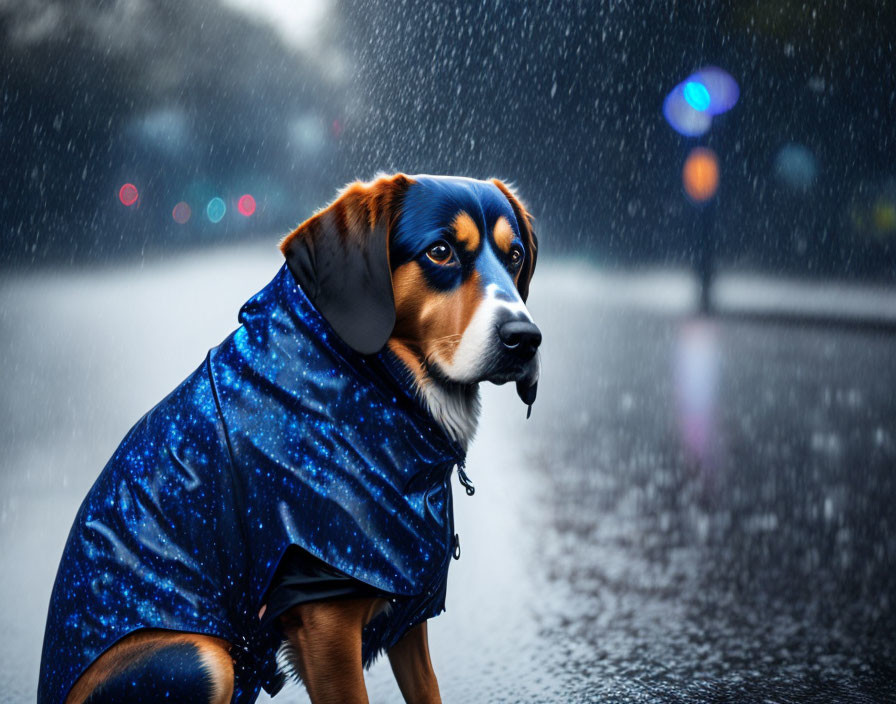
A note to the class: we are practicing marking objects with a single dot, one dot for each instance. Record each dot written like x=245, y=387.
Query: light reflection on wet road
x=696, y=510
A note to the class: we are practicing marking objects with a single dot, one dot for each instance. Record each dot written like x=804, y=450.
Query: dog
x=294, y=491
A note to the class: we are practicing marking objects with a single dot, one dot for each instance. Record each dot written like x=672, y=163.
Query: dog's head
x=437, y=267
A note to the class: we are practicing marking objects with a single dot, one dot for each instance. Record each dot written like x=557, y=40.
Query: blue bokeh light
x=721, y=88
x=683, y=118
x=696, y=95
x=691, y=105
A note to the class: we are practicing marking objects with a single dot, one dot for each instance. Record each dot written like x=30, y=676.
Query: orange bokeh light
x=700, y=174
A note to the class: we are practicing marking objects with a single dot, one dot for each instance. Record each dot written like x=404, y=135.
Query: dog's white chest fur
x=455, y=409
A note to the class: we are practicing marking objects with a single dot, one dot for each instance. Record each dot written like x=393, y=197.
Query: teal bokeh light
x=216, y=209
x=696, y=95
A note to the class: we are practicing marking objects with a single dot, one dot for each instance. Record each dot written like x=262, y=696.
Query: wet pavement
x=698, y=510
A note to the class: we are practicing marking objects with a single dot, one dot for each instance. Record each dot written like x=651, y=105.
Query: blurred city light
x=700, y=174
x=246, y=205
x=697, y=362
x=872, y=214
x=690, y=106
x=721, y=89
x=885, y=216
x=696, y=95
x=682, y=116
x=216, y=209
x=128, y=194
x=307, y=133
x=796, y=166
x=165, y=129
x=181, y=213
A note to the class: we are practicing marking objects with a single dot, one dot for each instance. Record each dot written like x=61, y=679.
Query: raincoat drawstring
x=465, y=480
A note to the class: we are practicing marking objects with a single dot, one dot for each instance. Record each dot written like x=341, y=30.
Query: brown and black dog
x=438, y=270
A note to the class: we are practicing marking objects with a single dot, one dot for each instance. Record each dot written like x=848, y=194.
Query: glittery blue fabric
x=283, y=435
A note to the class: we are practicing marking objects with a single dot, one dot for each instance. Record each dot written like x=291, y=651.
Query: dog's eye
x=441, y=253
x=516, y=257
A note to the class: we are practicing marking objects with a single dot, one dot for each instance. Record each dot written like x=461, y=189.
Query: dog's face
x=459, y=260
x=437, y=267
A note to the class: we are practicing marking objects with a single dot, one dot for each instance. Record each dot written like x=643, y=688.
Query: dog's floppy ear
x=340, y=258
x=527, y=232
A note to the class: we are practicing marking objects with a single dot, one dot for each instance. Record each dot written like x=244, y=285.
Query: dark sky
x=192, y=100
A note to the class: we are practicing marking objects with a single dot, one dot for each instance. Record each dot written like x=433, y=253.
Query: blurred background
x=700, y=508
x=287, y=101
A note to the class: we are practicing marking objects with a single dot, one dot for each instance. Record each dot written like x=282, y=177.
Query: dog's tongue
x=527, y=390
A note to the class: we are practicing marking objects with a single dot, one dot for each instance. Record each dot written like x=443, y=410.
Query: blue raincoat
x=283, y=436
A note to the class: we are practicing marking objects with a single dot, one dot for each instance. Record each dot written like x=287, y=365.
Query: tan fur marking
x=527, y=232
x=466, y=231
x=214, y=653
x=219, y=664
x=325, y=640
x=412, y=666
x=429, y=323
x=357, y=208
x=503, y=234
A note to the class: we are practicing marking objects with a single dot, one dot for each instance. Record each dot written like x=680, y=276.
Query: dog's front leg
x=412, y=666
x=326, y=644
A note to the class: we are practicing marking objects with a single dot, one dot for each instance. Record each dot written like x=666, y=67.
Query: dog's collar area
x=453, y=407
x=403, y=378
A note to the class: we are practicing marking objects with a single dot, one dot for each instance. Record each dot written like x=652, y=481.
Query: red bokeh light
x=181, y=213
x=128, y=194
x=246, y=205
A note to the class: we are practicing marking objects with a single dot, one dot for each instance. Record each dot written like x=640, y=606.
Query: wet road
x=697, y=510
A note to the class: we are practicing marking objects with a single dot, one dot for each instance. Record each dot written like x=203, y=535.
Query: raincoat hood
x=284, y=435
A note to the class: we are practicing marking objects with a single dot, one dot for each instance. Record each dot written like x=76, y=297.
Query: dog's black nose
x=521, y=337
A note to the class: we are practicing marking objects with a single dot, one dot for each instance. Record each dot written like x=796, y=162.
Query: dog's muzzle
x=515, y=358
